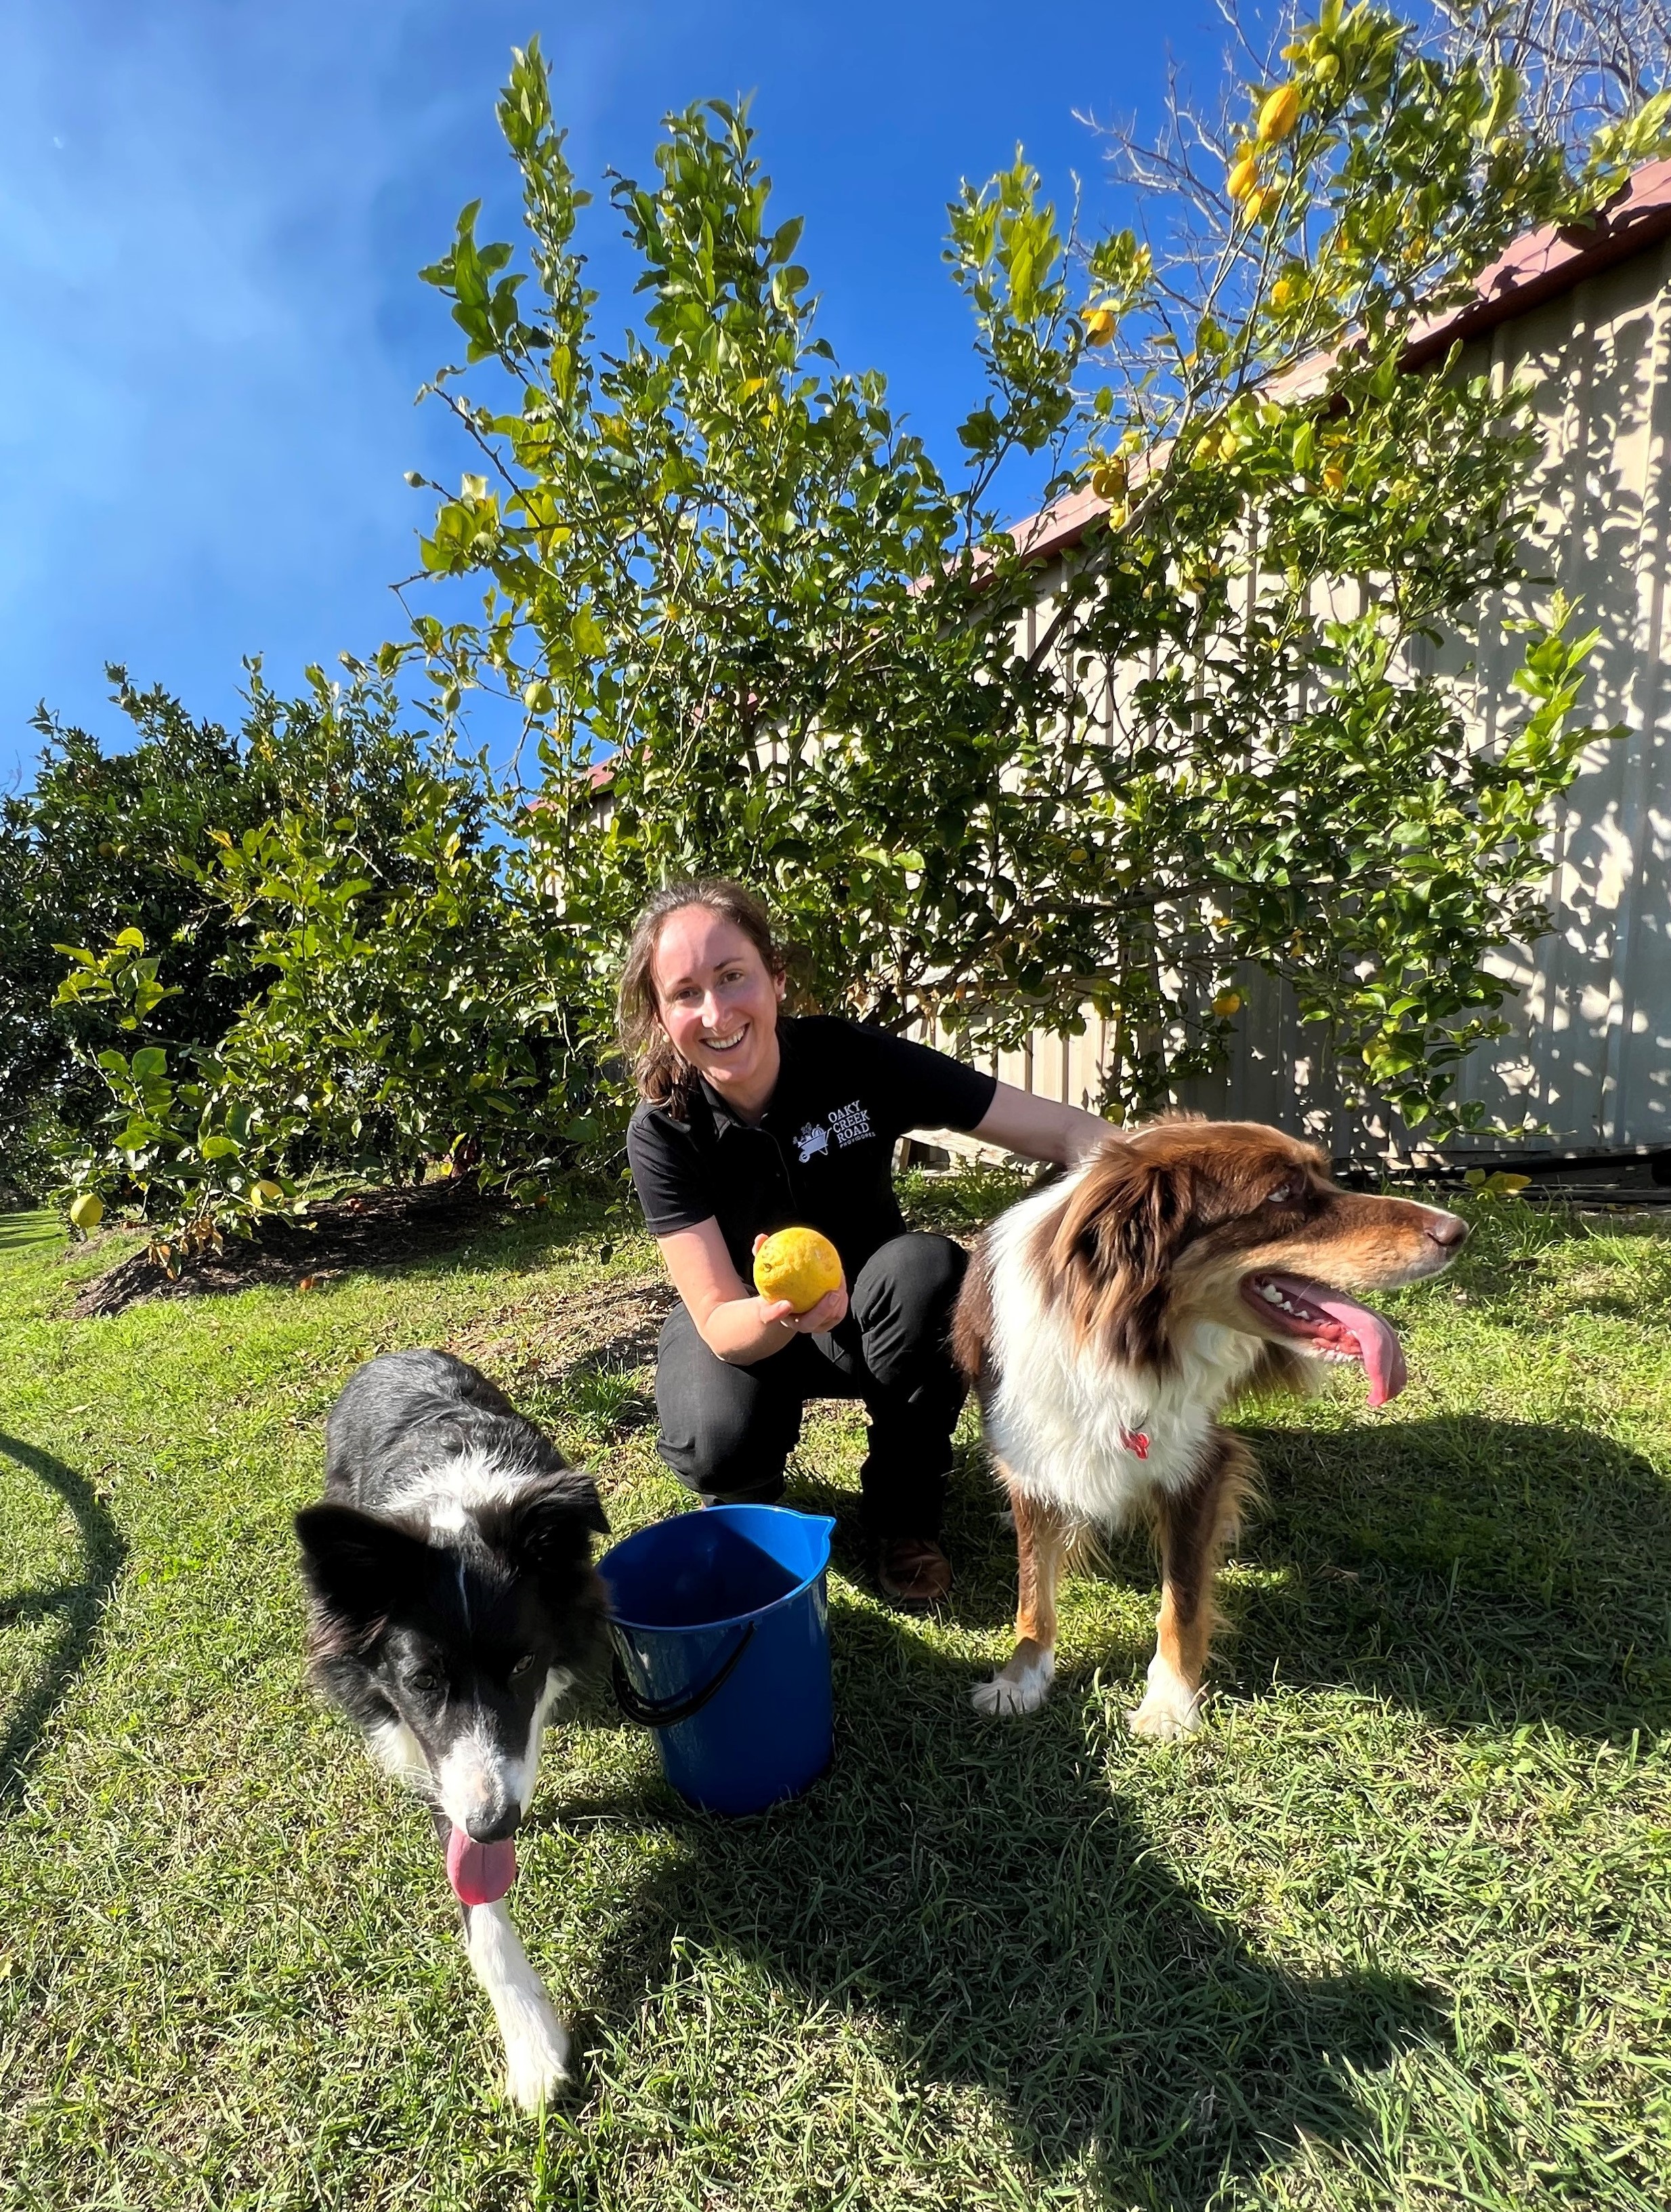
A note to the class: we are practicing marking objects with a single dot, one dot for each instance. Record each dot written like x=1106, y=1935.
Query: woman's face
x=718, y=1002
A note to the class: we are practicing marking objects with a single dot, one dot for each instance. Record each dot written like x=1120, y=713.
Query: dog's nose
x=493, y=1823
x=1448, y=1230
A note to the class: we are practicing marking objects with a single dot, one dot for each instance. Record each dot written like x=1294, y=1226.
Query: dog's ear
x=1130, y=1215
x=359, y=1567
x=1115, y=1244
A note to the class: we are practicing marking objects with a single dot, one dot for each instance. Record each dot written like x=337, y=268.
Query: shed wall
x=1588, y=1050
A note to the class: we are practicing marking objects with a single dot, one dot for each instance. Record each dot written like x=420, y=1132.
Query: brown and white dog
x=1108, y=1319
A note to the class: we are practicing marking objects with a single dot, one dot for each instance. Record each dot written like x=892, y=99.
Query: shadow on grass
x=1480, y=1572
x=18, y=1230
x=75, y=1606
x=1477, y=1572
x=985, y=1895
x=1473, y=1571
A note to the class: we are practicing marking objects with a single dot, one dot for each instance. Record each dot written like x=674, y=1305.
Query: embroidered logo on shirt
x=814, y=1138
x=851, y=1125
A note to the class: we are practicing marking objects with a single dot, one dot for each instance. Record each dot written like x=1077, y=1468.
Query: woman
x=749, y=1121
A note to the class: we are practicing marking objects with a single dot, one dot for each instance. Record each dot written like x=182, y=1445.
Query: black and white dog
x=451, y=1603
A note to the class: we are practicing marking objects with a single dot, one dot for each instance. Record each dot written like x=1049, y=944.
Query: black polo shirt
x=820, y=1157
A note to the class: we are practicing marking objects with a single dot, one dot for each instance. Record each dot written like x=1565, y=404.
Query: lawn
x=1393, y=1931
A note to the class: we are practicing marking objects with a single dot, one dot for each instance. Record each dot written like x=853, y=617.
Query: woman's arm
x=736, y=1324
x=1041, y=1128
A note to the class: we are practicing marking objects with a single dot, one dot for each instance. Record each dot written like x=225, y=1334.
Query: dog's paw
x=1171, y=1710
x=1162, y=1724
x=536, y=2064
x=1021, y=1687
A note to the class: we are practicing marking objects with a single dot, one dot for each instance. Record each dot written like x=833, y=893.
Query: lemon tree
x=716, y=561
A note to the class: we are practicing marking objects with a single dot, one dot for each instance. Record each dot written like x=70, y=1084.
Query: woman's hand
x=829, y=1313
x=734, y=1322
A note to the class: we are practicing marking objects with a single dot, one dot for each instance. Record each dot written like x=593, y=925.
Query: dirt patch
x=548, y=1335
x=372, y=1230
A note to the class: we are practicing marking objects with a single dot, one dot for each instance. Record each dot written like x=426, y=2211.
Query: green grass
x=1393, y=1931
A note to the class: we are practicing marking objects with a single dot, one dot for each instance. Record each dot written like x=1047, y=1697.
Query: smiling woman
x=751, y=1122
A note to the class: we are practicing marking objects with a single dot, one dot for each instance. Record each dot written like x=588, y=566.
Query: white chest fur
x=1064, y=1417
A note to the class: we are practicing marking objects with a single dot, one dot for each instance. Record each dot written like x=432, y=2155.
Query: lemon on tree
x=88, y=1211
x=798, y=1266
x=1279, y=114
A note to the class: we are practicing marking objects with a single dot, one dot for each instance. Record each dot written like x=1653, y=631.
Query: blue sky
x=212, y=213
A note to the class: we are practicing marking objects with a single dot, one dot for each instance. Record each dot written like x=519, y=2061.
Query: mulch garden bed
x=374, y=1229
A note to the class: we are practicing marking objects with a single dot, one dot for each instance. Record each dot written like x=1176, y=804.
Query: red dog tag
x=1136, y=1441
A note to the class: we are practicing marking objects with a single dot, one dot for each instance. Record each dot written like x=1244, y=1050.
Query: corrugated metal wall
x=1590, y=1051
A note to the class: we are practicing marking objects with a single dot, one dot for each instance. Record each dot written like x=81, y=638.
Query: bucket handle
x=668, y=1712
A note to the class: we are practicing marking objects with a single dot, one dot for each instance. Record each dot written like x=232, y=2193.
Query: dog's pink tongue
x=1378, y=1346
x=480, y=1873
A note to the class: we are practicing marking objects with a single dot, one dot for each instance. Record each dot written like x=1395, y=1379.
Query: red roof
x=1540, y=266
x=1546, y=262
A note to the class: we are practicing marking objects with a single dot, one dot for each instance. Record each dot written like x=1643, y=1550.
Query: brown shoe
x=914, y=1571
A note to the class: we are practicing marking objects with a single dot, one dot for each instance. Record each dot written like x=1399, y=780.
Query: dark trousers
x=726, y=1431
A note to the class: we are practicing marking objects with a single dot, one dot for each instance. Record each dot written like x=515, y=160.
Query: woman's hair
x=661, y=1075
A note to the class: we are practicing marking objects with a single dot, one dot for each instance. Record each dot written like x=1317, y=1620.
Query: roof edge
x=1540, y=266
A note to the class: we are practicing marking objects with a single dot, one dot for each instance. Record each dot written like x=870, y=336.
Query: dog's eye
x=524, y=1666
x=426, y=1683
x=1280, y=1195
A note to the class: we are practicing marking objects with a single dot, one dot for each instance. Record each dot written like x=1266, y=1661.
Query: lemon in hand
x=799, y=1266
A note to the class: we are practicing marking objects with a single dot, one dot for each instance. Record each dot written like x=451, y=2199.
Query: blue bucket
x=720, y=1624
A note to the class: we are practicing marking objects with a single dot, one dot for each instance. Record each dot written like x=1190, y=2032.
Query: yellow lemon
x=1279, y=114
x=1262, y=206
x=267, y=1192
x=1109, y=480
x=1334, y=478
x=1287, y=292
x=1099, y=326
x=1243, y=178
x=89, y=1211
x=798, y=1265
x=1226, y=1004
